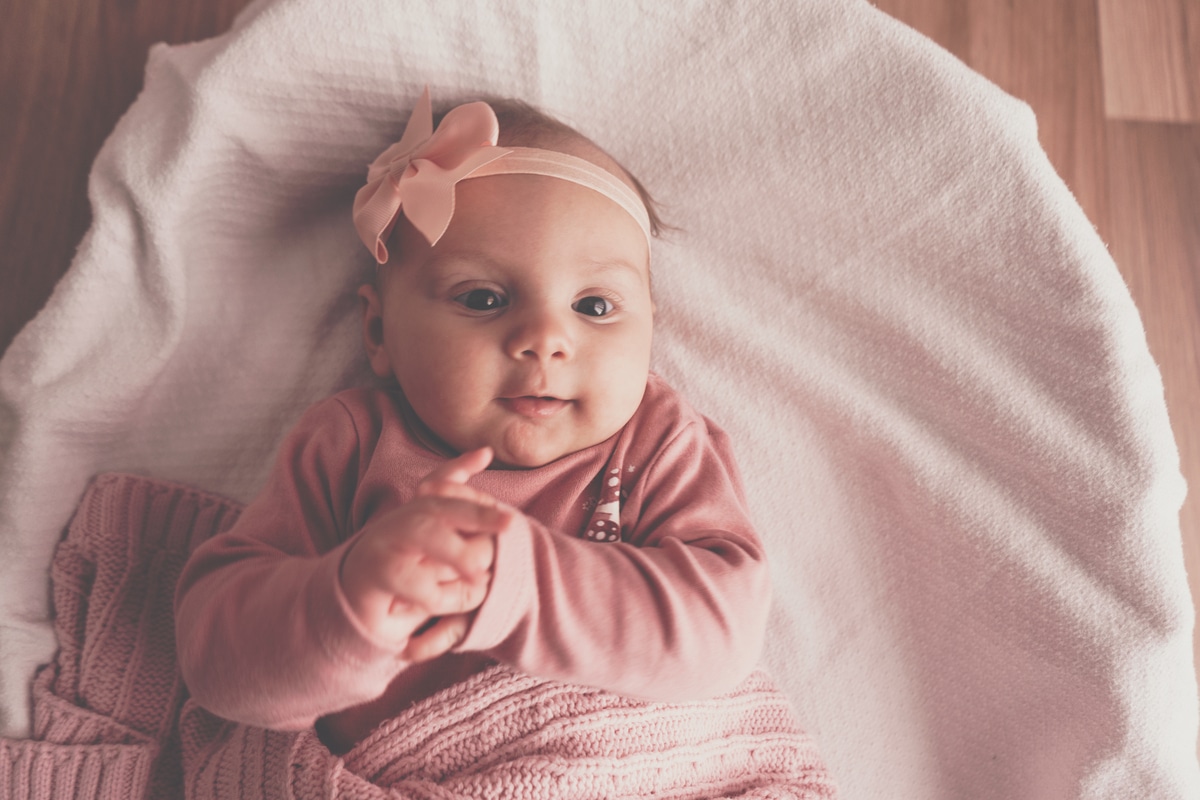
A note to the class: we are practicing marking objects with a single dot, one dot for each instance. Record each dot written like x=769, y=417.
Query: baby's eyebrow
x=616, y=265
x=441, y=261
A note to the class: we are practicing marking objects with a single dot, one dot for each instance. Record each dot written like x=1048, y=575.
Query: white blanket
x=953, y=435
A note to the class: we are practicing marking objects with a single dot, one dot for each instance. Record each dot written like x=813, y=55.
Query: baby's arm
x=677, y=612
x=266, y=633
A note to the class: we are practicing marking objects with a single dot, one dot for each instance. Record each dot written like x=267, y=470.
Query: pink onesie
x=640, y=574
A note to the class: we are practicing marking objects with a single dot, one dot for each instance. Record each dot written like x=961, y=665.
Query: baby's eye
x=481, y=300
x=594, y=306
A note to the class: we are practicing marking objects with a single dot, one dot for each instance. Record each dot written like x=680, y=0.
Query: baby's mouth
x=535, y=407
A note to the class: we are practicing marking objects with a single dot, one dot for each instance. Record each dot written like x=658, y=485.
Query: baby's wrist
x=351, y=586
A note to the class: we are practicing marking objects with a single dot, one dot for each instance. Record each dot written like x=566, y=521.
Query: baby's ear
x=372, y=308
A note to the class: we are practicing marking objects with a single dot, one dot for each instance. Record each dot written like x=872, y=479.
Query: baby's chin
x=519, y=448
x=526, y=456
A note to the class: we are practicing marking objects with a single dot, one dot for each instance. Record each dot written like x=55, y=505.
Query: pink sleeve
x=263, y=632
x=675, y=612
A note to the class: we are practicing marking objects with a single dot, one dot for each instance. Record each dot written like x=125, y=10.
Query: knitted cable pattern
x=106, y=709
x=502, y=734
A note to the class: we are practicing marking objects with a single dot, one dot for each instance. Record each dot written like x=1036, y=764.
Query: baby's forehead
x=466, y=263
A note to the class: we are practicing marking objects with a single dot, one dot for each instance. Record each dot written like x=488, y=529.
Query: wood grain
x=1150, y=63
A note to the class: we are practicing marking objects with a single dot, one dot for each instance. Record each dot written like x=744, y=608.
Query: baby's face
x=527, y=327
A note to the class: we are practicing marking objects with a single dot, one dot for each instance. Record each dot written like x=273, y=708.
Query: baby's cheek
x=611, y=411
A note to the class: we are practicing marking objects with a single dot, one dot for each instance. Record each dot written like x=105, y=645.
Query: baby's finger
x=416, y=592
x=466, y=516
x=435, y=589
x=434, y=598
x=474, y=557
x=461, y=468
x=458, y=597
x=444, y=573
x=439, y=546
x=450, y=489
x=438, y=639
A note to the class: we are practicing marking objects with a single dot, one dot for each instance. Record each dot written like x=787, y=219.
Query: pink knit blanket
x=112, y=719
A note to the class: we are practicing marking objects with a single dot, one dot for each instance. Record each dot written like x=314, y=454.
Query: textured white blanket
x=953, y=435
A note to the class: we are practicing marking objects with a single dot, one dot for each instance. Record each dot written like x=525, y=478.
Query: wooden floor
x=1115, y=85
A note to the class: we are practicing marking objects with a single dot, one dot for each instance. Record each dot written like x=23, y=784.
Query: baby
x=525, y=492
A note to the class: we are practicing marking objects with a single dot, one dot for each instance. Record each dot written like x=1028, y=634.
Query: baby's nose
x=541, y=335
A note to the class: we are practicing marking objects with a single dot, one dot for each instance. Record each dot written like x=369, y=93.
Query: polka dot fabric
x=605, y=522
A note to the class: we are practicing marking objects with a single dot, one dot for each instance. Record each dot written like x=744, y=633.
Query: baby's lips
x=535, y=406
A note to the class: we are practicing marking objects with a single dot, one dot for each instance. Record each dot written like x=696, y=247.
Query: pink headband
x=418, y=174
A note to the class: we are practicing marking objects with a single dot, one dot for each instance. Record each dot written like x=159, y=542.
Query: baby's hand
x=416, y=572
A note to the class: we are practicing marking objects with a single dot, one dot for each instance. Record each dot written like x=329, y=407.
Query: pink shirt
x=640, y=573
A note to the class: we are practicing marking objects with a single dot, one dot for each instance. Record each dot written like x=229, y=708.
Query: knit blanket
x=112, y=720
x=502, y=734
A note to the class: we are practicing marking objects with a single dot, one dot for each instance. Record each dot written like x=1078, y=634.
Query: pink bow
x=419, y=172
